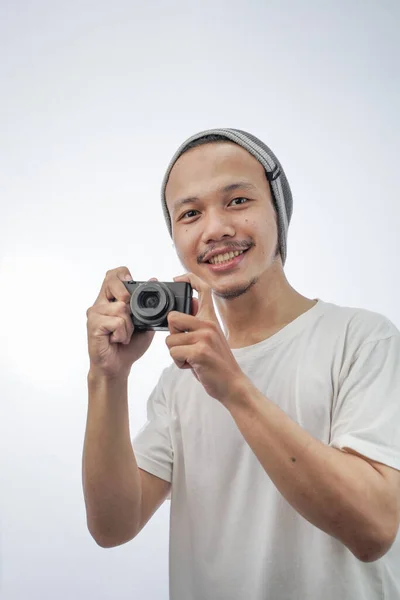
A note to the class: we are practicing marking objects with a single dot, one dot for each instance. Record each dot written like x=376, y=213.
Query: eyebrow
x=243, y=185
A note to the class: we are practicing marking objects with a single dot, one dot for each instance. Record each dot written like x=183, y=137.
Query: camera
x=151, y=301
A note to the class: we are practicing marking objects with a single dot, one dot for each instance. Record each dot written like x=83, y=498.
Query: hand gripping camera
x=151, y=301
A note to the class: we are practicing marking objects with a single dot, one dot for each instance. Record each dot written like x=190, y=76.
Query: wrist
x=97, y=378
x=238, y=393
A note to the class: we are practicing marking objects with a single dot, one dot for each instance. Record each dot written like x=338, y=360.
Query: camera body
x=151, y=301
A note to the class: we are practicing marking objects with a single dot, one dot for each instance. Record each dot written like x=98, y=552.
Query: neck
x=266, y=307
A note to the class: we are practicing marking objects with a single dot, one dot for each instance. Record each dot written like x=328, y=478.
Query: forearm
x=337, y=492
x=111, y=479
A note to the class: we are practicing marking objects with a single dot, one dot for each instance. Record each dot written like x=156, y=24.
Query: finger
x=114, y=327
x=116, y=290
x=111, y=309
x=179, y=322
x=181, y=339
x=113, y=288
x=205, y=302
x=121, y=335
x=180, y=356
x=195, y=306
x=117, y=309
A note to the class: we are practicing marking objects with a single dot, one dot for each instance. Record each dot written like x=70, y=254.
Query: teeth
x=224, y=257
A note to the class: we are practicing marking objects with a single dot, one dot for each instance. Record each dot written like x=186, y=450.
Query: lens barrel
x=151, y=301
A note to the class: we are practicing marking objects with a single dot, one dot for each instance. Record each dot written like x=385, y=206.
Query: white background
x=95, y=98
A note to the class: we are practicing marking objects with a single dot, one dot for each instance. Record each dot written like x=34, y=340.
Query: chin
x=235, y=290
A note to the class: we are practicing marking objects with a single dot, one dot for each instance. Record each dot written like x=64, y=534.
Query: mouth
x=228, y=264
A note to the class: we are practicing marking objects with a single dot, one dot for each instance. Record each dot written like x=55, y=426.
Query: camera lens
x=151, y=302
x=149, y=299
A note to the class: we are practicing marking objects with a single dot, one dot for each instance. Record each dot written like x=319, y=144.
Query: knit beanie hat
x=281, y=193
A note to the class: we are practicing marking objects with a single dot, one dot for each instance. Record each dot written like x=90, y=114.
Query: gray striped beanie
x=280, y=189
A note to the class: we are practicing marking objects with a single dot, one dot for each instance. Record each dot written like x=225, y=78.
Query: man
x=277, y=436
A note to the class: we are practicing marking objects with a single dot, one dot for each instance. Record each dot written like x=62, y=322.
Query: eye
x=240, y=198
x=187, y=213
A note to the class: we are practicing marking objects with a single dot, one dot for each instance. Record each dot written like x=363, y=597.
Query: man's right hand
x=113, y=344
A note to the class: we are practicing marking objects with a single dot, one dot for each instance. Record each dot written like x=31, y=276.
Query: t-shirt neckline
x=287, y=332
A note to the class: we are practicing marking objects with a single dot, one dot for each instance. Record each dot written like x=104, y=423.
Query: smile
x=224, y=262
x=219, y=258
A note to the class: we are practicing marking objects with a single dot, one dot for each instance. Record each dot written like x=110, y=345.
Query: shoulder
x=360, y=324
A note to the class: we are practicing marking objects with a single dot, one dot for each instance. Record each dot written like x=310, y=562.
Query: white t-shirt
x=336, y=372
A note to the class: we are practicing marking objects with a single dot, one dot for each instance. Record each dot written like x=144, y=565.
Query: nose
x=217, y=225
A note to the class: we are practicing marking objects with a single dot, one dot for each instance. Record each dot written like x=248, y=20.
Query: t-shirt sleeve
x=152, y=445
x=366, y=415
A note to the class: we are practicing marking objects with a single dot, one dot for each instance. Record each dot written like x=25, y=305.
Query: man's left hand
x=197, y=342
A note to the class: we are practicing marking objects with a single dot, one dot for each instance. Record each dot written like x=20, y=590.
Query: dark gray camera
x=151, y=301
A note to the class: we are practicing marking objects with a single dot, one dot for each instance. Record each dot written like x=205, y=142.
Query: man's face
x=229, y=208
